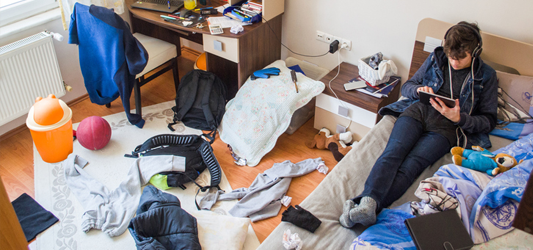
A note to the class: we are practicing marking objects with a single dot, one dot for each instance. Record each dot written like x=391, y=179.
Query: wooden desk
x=242, y=54
x=363, y=108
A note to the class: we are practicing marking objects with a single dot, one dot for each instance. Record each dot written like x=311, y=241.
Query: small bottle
x=189, y=4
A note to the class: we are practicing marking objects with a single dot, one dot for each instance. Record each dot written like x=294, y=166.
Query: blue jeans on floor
x=410, y=150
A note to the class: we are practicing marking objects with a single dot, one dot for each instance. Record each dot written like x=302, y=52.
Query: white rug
x=109, y=166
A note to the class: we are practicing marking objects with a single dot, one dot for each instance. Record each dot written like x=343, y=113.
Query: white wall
x=389, y=26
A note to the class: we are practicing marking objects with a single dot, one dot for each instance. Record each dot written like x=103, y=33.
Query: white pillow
x=262, y=110
x=515, y=91
x=217, y=231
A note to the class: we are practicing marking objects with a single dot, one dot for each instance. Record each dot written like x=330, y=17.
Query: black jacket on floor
x=161, y=223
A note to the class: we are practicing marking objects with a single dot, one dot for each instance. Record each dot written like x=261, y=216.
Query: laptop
x=442, y=230
x=158, y=5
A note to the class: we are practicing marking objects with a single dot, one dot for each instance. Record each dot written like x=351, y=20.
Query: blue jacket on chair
x=110, y=56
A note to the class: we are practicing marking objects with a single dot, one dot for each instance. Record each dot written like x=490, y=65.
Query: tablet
x=425, y=96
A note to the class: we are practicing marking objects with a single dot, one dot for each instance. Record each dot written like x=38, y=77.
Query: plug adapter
x=334, y=46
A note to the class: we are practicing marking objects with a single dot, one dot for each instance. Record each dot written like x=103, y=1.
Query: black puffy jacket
x=162, y=224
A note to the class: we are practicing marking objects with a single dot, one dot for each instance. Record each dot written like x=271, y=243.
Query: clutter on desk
x=381, y=90
x=376, y=70
x=185, y=19
x=224, y=22
x=236, y=29
x=248, y=12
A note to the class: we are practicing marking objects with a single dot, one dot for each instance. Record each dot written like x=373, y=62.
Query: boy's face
x=462, y=63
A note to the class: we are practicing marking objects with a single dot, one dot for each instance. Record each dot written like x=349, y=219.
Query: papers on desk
x=225, y=22
x=381, y=90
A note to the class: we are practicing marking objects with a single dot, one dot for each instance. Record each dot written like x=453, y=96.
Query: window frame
x=24, y=9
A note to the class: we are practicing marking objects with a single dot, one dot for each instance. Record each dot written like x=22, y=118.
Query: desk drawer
x=229, y=47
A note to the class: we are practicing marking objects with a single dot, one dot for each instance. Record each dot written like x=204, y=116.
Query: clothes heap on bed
x=487, y=205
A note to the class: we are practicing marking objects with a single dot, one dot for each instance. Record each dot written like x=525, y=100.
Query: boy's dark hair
x=461, y=39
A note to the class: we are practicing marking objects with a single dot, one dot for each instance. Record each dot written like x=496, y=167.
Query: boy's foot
x=345, y=216
x=365, y=213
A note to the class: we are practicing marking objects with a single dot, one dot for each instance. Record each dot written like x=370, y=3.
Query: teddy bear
x=483, y=160
x=335, y=143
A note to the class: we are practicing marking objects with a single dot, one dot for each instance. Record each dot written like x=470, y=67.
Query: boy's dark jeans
x=409, y=151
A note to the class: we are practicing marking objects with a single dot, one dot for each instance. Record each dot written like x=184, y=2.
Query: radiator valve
x=67, y=87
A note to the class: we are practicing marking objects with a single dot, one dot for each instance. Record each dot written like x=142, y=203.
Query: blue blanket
x=488, y=205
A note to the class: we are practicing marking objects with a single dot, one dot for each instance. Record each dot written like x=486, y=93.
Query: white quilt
x=262, y=110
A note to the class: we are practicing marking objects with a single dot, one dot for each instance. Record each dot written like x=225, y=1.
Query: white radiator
x=28, y=69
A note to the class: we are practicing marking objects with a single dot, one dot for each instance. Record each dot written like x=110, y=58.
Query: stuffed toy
x=335, y=143
x=482, y=160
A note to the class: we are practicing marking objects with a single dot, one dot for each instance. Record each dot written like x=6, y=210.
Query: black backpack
x=197, y=151
x=200, y=101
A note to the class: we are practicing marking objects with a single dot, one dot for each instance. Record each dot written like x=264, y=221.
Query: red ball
x=93, y=133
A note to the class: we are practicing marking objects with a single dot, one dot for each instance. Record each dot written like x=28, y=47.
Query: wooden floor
x=16, y=151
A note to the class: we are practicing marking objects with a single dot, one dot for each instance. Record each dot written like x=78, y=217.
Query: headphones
x=478, y=49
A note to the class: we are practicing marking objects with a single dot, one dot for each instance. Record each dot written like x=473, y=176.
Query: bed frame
x=511, y=55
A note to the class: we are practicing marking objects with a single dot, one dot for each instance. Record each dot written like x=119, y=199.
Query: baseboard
x=23, y=127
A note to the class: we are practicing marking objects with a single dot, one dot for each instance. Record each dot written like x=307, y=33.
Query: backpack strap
x=205, y=102
x=190, y=101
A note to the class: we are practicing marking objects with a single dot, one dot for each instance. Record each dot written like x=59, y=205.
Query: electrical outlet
x=347, y=44
x=319, y=35
x=341, y=129
x=328, y=38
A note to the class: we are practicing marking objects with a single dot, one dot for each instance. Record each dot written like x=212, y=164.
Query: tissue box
x=369, y=74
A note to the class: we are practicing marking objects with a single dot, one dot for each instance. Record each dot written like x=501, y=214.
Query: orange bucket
x=50, y=124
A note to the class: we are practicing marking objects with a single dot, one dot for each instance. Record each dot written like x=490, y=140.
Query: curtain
x=68, y=5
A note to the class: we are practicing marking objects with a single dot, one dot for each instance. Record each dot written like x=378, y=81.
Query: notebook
x=443, y=230
x=159, y=5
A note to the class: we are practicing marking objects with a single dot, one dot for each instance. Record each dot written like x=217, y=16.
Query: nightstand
x=362, y=108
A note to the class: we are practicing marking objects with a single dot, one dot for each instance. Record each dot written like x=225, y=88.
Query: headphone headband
x=477, y=51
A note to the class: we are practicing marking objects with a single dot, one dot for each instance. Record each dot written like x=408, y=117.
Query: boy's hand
x=453, y=114
x=425, y=89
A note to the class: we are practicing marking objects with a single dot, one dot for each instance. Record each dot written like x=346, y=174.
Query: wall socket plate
x=343, y=111
x=341, y=129
x=328, y=38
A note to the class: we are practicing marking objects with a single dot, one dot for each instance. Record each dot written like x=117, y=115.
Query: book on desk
x=381, y=90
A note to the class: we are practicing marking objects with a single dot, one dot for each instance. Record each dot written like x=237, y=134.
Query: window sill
x=30, y=22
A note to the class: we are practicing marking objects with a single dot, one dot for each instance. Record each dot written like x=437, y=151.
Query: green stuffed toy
x=482, y=160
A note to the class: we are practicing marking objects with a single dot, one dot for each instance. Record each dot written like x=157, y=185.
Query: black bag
x=197, y=151
x=200, y=101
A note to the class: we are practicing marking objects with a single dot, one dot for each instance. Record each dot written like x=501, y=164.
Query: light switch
x=217, y=45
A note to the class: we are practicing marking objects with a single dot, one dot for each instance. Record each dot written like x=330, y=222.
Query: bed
x=347, y=179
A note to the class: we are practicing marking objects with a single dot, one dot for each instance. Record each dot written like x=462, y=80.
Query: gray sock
x=365, y=213
x=345, y=216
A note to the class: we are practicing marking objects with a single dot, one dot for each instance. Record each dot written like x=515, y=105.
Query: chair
x=109, y=52
x=159, y=53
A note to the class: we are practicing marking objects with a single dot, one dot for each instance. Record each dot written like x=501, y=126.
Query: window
x=15, y=10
